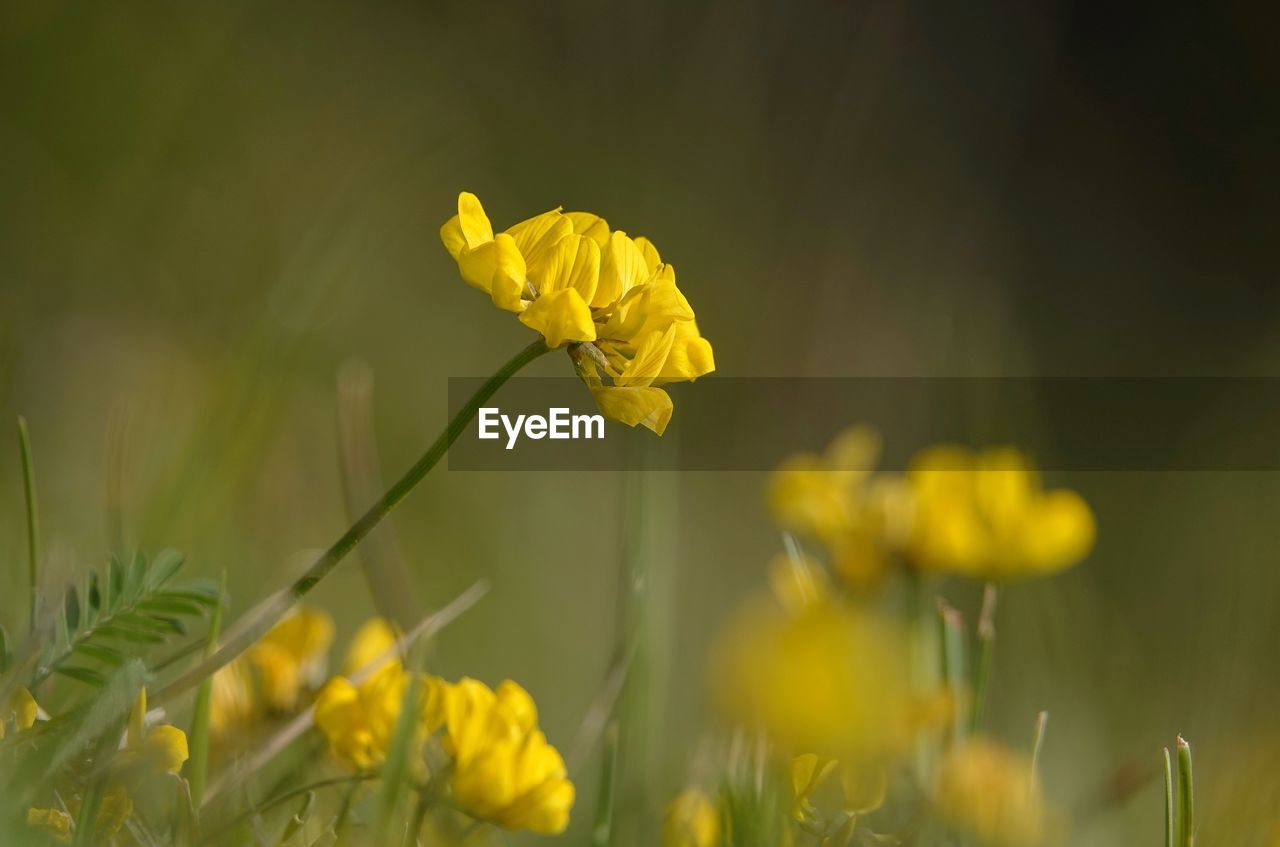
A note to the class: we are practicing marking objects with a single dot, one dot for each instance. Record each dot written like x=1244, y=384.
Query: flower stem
x=33, y=520
x=986, y=654
x=258, y=621
x=1168, y=799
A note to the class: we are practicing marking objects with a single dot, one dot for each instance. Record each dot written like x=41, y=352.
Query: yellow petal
x=517, y=705
x=306, y=633
x=25, y=709
x=452, y=237
x=166, y=748
x=1060, y=531
x=798, y=583
x=573, y=264
x=561, y=316
x=537, y=237
x=864, y=788
x=472, y=220
x=374, y=641
x=650, y=253
x=497, y=268
x=591, y=225
x=622, y=267
x=648, y=407
x=646, y=365
x=690, y=356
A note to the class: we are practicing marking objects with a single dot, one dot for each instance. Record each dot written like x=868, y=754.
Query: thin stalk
x=985, y=655
x=1168, y=800
x=1186, y=796
x=259, y=621
x=286, y=796
x=951, y=654
x=603, y=829
x=1037, y=743
x=33, y=521
x=198, y=764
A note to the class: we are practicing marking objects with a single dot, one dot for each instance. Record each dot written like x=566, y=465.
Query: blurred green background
x=207, y=210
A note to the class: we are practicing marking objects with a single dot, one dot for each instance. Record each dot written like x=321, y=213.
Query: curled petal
x=538, y=236
x=472, y=220
x=646, y=406
x=591, y=225
x=561, y=316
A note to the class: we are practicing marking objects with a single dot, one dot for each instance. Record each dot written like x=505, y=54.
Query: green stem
x=33, y=519
x=951, y=655
x=1186, y=796
x=986, y=655
x=602, y=831
x=1168, y=799
x=259, y=621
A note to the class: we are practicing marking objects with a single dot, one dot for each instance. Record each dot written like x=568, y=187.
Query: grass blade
x=198, y=762
x=1186, y=796
x=33, y=521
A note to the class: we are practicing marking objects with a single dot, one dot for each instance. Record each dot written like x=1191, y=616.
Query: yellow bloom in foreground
x=692, y=820
x=987, y=515
x=608, y=296
x=19, y=709
x=826, y=679
x=504, y=771
x=991, y=792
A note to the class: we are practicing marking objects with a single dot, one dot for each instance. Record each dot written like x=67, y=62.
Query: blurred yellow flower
x=19, y=709
x=270, y=675
x=990, y=792
x=826, y=679
x=503, y=770
x=374, y=641
x=987, y=515
x=608, y=296
x=862, y=788
x=862, y=518
x=691, y=820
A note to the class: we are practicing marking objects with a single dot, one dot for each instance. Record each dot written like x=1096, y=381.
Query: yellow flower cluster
x=504, y=771
x=987, y=515
x=501, y=768
x=992, y=793
x=607, y=295
x=979, y=514
x=270, y=675
x=19, y=710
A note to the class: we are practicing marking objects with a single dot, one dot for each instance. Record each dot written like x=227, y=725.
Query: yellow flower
x=862, y=518
x=824, y=678
x=608, y=296
x=271, y=674
x=20, y=709
x=114, y=811
x=503, y=771
x=161, y=748
x=862, y=788
x=692, y=820
x=991, y=792
x=987, y=515
x=360, y=720
x=376, y=638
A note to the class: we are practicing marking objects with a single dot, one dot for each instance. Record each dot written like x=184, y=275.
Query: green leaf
x=137, y=578
x=187, y=593
x=146, y=623
x=115, y=582
x=166, y=604
x=92, y=597
x=71, y=611
x=85, y=675
x=163, y=567
x=126, y=634
x=4, y=649
x=101, y=652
